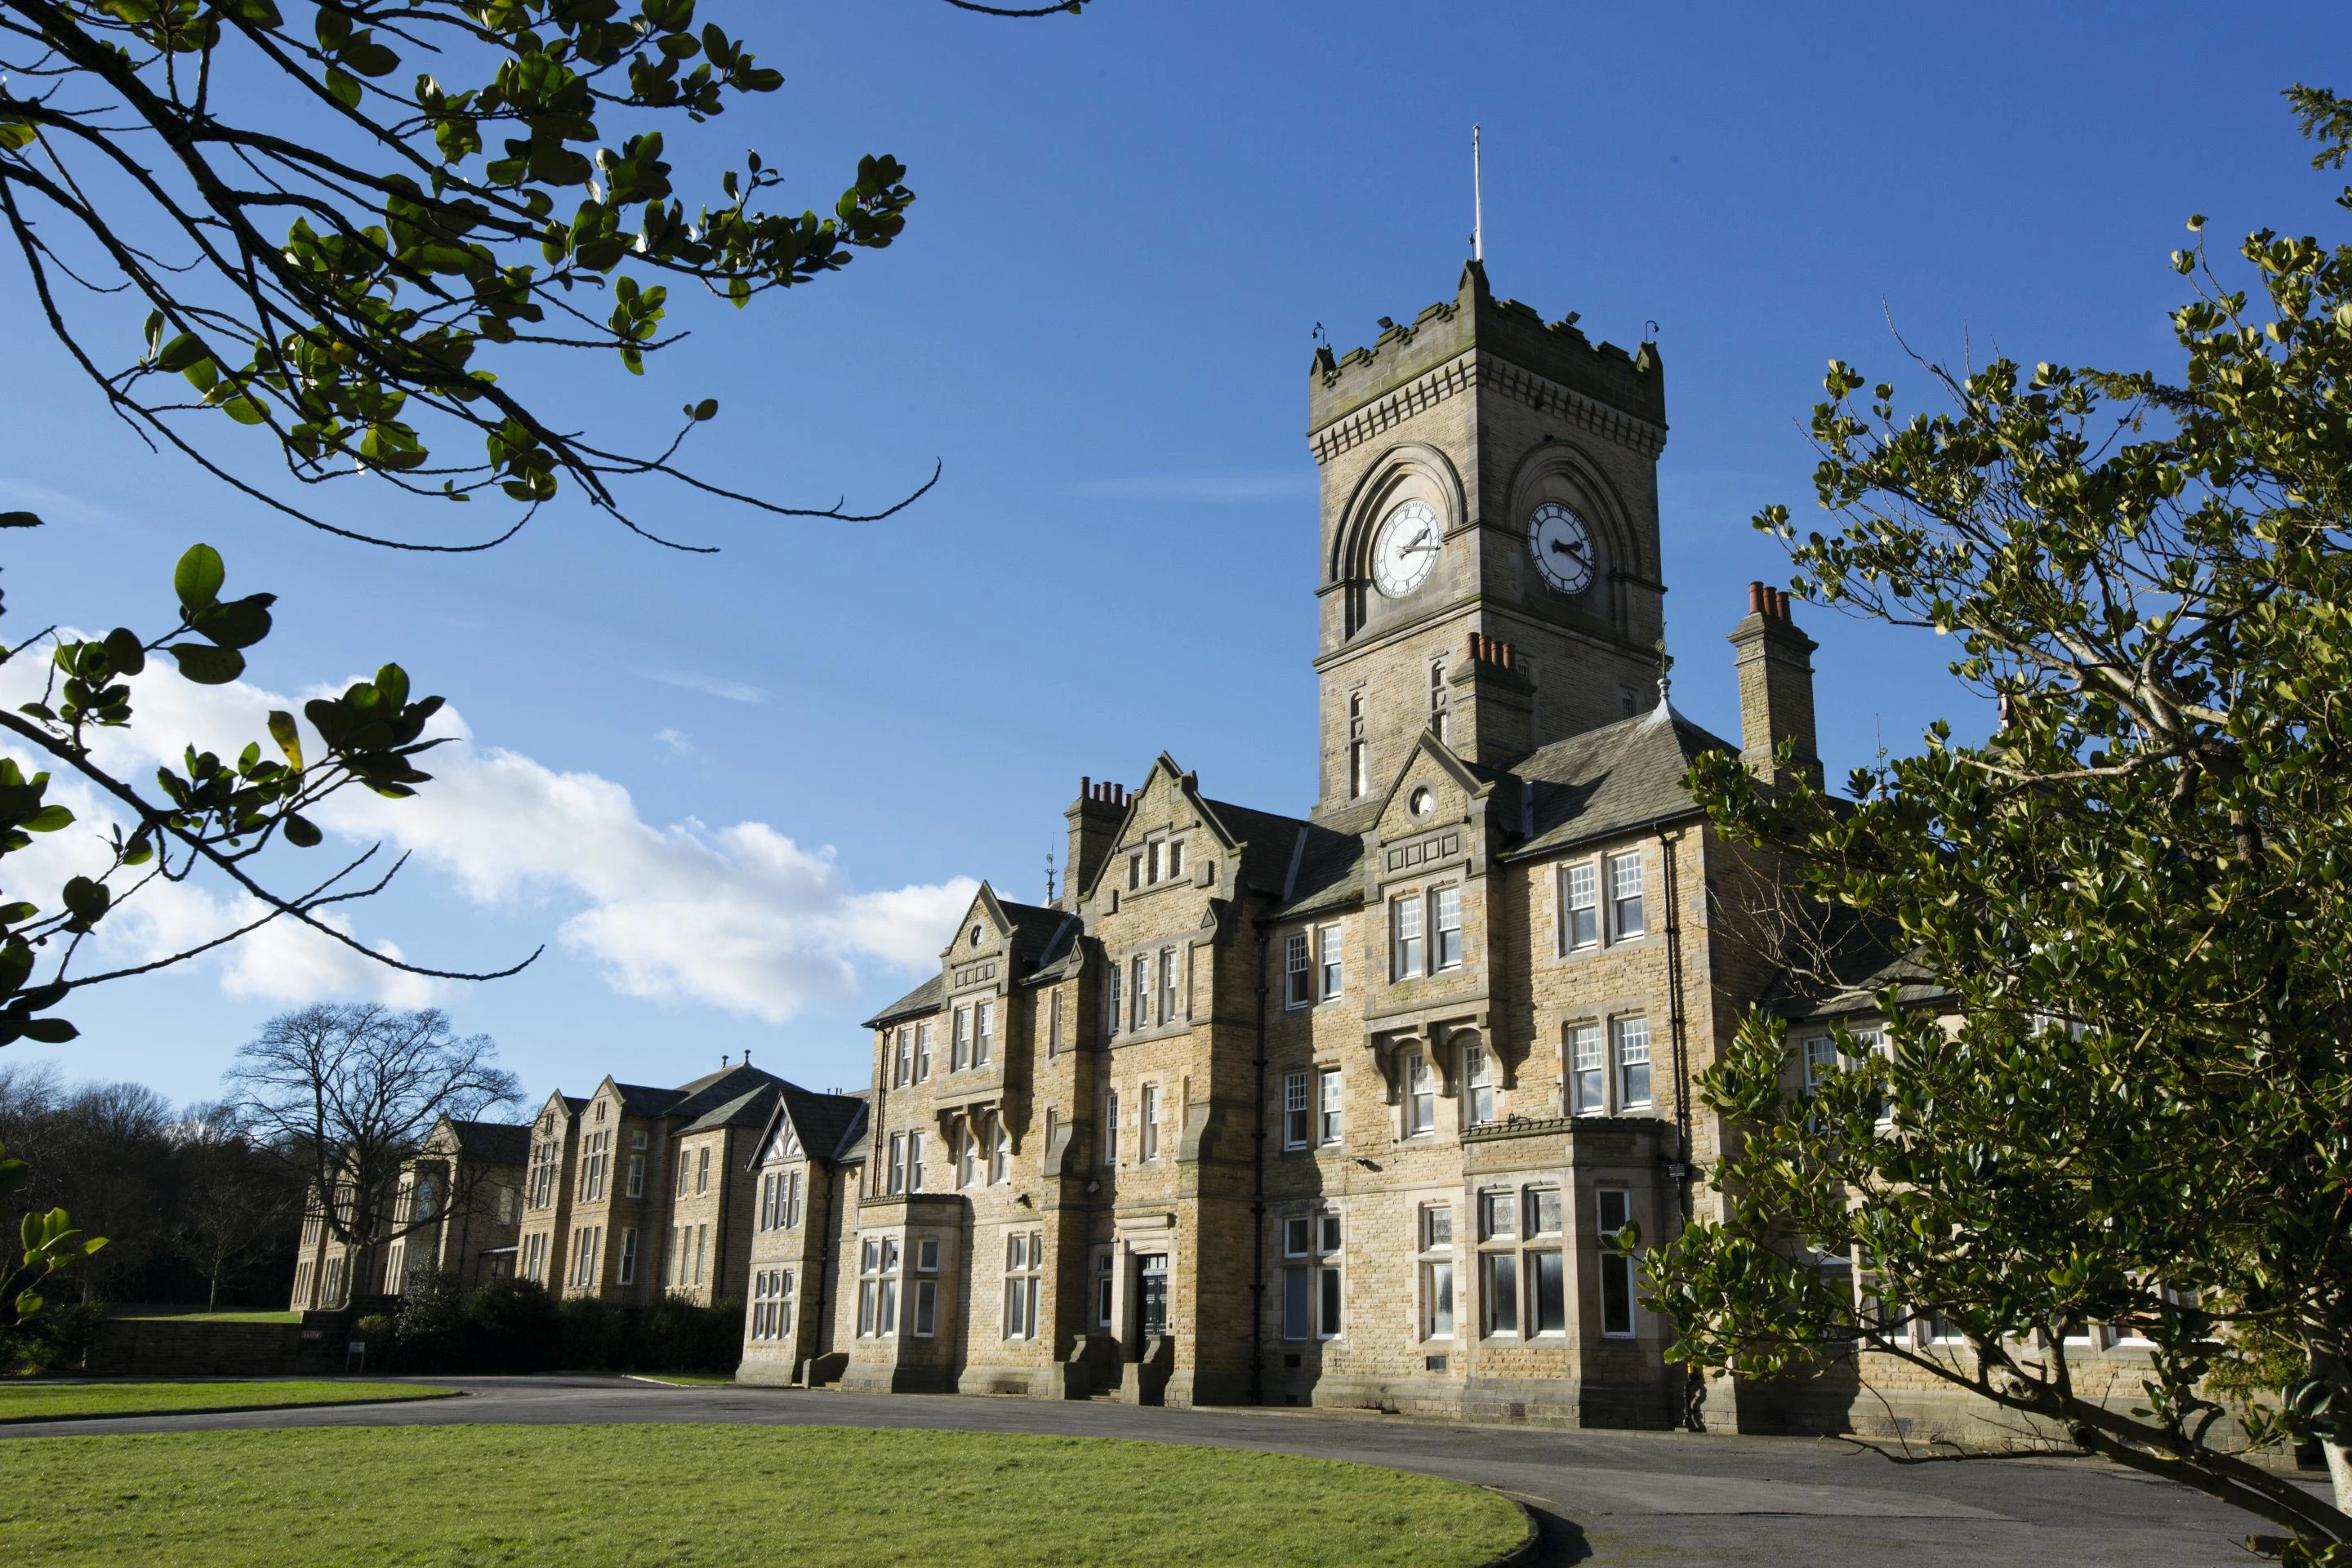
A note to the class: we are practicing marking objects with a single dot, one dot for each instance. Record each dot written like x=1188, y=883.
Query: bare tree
x=346, y=1093
x=233, y=1196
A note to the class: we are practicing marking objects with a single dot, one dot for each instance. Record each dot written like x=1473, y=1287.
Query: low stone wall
x=176, y=1347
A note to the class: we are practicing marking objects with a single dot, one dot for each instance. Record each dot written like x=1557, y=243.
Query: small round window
x=1421, y=801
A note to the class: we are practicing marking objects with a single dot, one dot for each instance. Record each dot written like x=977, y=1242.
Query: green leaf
x=240, y=623
x=288, y=738
x=19, y=520
x=198, y=577
x=48, y=819
x=49, y=1031
x=207, y=666
x=124, y=649
x=301, y=832
x=86, y=898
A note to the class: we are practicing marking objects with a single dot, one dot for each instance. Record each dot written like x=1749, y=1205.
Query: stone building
x=632, y=1192
x=453, y=1210
x=1341, y=1108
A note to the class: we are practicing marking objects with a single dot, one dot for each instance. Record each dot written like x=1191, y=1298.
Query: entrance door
x=1152, y=1273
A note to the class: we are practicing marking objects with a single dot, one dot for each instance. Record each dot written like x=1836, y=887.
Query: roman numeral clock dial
x=1406, y=549
x=1562, y=547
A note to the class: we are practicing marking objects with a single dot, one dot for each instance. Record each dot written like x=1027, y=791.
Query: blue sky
x=733, y=793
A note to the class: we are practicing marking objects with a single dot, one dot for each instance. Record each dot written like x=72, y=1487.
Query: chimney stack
x=1776, y=687
x=1094, y=821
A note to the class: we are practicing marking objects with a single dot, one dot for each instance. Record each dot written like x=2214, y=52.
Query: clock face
x=1562, y=546
x=1406, y=549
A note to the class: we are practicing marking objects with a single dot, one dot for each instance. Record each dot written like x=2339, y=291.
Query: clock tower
x=1489, y=564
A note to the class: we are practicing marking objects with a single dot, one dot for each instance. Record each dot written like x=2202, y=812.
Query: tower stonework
x=1484, y=414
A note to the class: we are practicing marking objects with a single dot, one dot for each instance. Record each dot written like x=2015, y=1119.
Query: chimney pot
x=1755, y=598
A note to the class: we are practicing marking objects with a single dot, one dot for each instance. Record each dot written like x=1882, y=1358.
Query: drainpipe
x=1694, y=1389
x=1258, y=1196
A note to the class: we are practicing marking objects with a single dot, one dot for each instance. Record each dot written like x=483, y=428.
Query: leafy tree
x=50, y=1246
x=344, y=1094
x=2136, y=1109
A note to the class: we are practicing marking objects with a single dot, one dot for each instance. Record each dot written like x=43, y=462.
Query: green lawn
x=815, y=1497
x=47, y=1401
x=213, y=1317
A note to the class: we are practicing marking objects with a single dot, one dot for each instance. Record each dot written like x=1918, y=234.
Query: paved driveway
x=1607, y=1497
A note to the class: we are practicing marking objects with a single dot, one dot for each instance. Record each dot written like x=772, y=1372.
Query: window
x=628, y=1274
x=915, y=1166
x=535, y=1257
x=877, y=1288
x=1110, y=1128
x=583, y=1256
x=1437, y=1271
x=771, y=1199
x=1625, y=918
x=701, y=1250
x=1138, y=999
x=1148, y=1139
x=1477, y=1084
x=926, y=1301
x=1498, y=1215
x=1821, y=1063
x=702, y=1170
x=1175, y=857
x=635, y=1186
x=1134, y=872
x=772, y=1294
x=594, y=1153
x=1586, y=1092
x=1498, y=1286
x=1314, y=1289
x=509, y=1206
x=685, y=1170
x=1445, y=929
x=1104, y=1265
x=1333, y=960
x=1404, y=938
x=1167, y=985
x=1546, y=1292
x=922, y=1053
x=1356, y=769
x=1329, y=1118
x=902, y=1058
x=792, y=1199
x=1580, y=908
x=1437, y=701
x=1872, y=1042
x=896, y=1181
x=959, y=1041
x=1420, y=1095
x=1540, y=1212
x=1633, y=1062
x=1000, y=1153
x=1616, y=1212
x=1053, y=1022
x=1152, y=872
x=983, y=1034
x=926, y=1255
x=1298, y=971
x=1025, y=1257
x=1297, y=1302
x=1111, y=1001
x=967, y=1155
x=1297, y=1114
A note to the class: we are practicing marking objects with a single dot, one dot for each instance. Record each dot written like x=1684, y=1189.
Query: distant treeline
x=192, y=1207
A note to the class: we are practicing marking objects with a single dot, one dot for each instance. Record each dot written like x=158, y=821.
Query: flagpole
x=1477, y=202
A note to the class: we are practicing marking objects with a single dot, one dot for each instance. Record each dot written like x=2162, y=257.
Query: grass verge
x=819, y=1497
x=56, y=1401
x=213, y=1318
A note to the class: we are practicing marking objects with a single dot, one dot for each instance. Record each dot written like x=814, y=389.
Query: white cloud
x=741, y=918
x=709, y=685
x=1211, y=488
x=678, y=740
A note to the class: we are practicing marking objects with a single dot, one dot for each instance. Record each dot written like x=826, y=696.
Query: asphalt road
x=1606, y=1498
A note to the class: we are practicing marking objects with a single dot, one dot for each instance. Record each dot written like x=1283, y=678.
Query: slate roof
x=829, y=1124
x=1861, y=959
x=753, y=1107
x=644, y=1099
x=493, y=1142
x=714, y=1090
x=923, y=998
x=1035, y=930
x=1604, y=782
x=1269, y=844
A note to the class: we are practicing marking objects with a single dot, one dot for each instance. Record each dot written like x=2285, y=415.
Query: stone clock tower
x=1489, y=565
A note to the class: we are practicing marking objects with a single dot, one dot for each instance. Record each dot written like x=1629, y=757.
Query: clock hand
x=1561, y=547
x=1418, y=550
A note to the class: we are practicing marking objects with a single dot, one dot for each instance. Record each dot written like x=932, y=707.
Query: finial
x=1049, y=874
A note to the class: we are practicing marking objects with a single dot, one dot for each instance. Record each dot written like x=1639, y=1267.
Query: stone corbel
x=1200, y=1124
